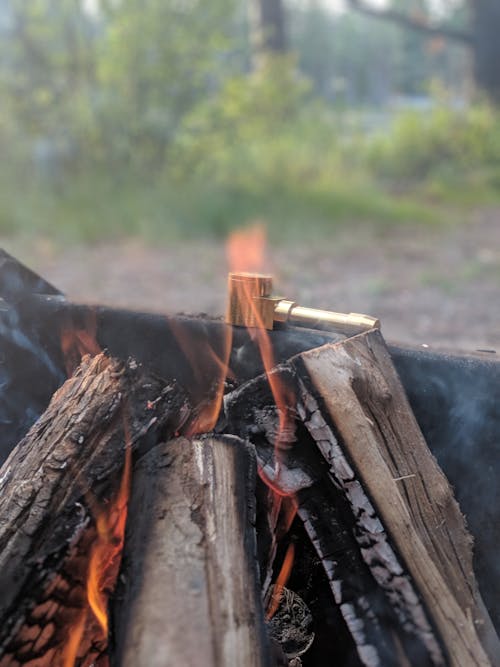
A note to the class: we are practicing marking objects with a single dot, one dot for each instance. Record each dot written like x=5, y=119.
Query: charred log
x=297, y=469
x=69, y=464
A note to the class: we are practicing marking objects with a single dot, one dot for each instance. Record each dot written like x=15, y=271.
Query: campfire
x=254, y=492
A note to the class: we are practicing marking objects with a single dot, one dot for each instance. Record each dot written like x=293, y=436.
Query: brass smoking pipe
x=251, y=304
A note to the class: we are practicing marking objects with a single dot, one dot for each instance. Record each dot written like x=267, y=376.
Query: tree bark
x=406, y=20
x=51, y=486
x=192, y=595
x=486, y=46
x=268, y=31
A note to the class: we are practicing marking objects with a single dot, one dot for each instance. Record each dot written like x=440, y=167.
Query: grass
x=303, y=178
x=88, y=209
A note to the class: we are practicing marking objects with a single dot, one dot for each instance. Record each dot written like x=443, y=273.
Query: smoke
x=29, y=368
x=456, y=400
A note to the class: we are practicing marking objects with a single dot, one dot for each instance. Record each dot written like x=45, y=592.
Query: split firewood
x=191, y=594
x=363, y=398
x=291, y=463
x=350, y=410
x=55, y=488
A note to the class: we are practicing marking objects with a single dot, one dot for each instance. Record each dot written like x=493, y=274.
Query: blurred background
x=363, y=135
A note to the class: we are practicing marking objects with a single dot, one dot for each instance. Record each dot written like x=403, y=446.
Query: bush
x=263, y=147
x=443, y=146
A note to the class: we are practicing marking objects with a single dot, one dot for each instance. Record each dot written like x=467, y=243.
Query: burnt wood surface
x=67, y=466
x=191, y=594
x=292, y=462
x=409, y=529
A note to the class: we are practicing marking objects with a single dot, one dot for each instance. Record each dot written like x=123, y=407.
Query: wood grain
x=192, y=595
x=358, y=388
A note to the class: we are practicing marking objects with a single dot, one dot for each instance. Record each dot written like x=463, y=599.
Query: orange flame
x=281, y=581
x=70, y=651
x=78, y=341
x=246, y=253
x=106, y=551
x=103, y=566
x=205, y=363
x=246, y=249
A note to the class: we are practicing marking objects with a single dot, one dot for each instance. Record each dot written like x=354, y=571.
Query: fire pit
x=267, y=541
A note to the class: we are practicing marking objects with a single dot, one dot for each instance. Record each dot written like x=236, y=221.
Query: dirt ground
x=433, y=286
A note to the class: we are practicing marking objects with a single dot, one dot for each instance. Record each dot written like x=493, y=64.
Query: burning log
x=192, y=595
x=374, y=502
x=63, y=508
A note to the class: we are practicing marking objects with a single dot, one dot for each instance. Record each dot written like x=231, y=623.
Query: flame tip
x=250, y=274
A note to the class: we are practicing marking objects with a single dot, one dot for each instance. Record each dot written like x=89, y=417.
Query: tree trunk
x=486, y=46
x=267, y=26
x=481, y=36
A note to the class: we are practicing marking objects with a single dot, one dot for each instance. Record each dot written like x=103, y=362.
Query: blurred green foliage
x=442, y=146
x=146, y=119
